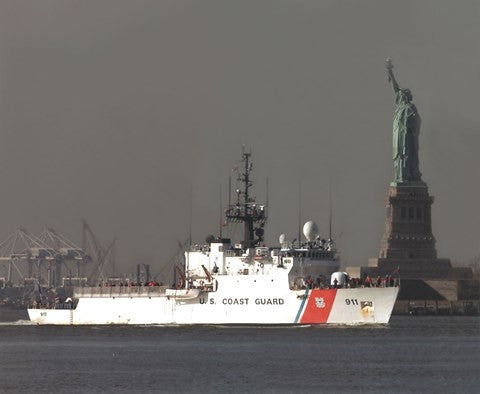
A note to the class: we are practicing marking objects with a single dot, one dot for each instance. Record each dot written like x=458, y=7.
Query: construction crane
x=52, y=259
x=28, y=258
x=70, y=257
x=103, y=258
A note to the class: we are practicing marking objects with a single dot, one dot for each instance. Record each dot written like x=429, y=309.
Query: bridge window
x=411, y=213
x=419, y=212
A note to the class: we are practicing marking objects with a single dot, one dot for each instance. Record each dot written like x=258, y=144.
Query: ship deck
x=119, y=291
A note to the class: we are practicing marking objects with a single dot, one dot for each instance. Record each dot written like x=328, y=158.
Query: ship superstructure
x=315, y=259
x=224, y=282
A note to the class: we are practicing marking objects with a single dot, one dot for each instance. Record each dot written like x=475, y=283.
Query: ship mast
x=245, y=209
x=248, y=232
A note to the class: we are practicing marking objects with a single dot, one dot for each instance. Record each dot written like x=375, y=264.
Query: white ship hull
x=261, y=305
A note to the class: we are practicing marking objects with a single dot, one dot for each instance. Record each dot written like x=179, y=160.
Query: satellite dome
x=310, y=230
x=282, y=239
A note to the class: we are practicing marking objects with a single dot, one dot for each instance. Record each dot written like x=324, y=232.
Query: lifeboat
x=183, y=294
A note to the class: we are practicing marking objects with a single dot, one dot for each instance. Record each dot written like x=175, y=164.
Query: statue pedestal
x=408, y=243
x=416, y=268
x=408, y=226
x=408, y=251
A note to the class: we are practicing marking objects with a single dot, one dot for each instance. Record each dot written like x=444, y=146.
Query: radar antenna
x=245, y=210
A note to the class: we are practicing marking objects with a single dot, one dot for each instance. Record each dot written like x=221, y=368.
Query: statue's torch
x=389, y=65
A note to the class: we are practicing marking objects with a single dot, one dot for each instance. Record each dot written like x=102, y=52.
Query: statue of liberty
x=406, y=129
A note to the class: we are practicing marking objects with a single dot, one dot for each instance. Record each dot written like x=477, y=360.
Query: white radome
x=310, y=230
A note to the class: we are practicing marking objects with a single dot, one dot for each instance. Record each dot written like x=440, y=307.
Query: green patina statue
x=406, y=129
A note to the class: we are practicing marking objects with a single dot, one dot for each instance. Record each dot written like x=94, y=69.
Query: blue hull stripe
x=305, y=297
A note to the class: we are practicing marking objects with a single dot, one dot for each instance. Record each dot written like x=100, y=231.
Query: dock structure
x=440, y=308
x=50, y=259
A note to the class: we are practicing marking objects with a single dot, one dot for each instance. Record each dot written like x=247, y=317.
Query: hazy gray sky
x=110, y=110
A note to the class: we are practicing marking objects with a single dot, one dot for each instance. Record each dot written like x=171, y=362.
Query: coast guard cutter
x=237, y=283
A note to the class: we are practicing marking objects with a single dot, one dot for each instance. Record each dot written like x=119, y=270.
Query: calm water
x=421, y=354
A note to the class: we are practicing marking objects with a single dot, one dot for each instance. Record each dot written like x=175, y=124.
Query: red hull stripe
x=319, y=306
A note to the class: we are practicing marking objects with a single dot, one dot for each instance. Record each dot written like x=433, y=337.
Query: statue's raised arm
x=391, y=77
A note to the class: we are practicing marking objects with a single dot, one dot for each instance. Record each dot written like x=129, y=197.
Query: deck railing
x=119, y=291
